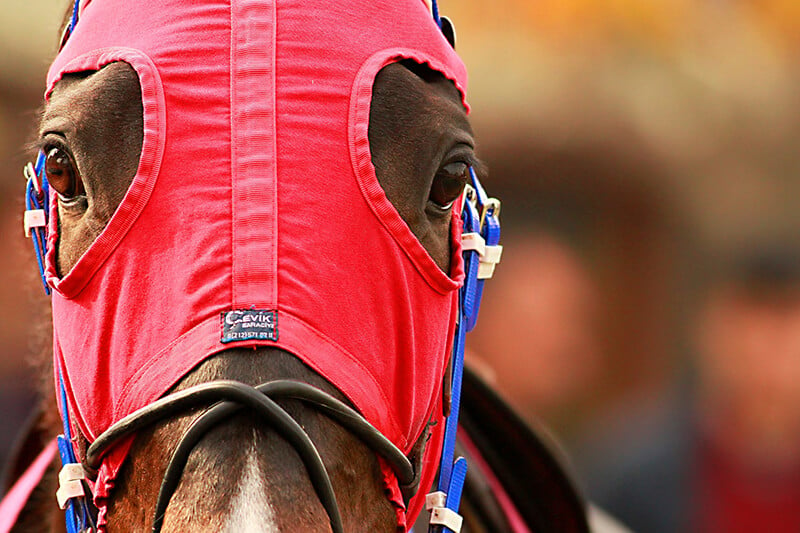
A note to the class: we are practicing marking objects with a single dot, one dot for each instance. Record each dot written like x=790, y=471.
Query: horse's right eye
x=62, y=174
x=448, y=184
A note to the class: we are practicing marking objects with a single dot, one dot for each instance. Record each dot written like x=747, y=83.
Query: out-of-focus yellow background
x=642, y=150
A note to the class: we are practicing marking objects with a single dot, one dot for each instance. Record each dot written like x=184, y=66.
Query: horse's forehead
x=225, y=237
x=82, y=100
x=436, y=100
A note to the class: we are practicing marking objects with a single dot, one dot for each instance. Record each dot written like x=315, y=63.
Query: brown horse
x=109, y=145
x=243, y=475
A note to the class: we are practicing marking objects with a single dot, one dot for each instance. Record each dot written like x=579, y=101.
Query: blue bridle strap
x=75, y=500
x=435, y=11
x=77, y=514
x=481, y=227
x=73, y=21
x=37, y=209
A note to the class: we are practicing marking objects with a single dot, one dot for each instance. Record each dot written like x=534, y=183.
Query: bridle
x=222, y=398
x=226, y=397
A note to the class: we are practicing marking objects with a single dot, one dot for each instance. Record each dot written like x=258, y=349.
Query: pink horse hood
x=255, y=217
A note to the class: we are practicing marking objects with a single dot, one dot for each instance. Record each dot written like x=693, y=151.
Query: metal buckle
x=30, y=175
x=470, y=195
x=493, y=205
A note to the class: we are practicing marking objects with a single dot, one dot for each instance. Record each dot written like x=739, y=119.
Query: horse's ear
x=449, y=30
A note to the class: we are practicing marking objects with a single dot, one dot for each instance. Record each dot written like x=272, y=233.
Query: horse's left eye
x=62, y=174
x=448, y=184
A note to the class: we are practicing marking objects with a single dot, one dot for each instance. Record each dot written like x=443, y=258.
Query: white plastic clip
x=442, y=516
x=70, y=483
x=489, y=260
x=435, y=499
x=33, y=218
x=473, y=241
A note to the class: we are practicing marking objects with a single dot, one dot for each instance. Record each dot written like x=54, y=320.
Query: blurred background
x=647, y=310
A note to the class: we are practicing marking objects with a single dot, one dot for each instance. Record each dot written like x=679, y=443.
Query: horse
x=242, y=474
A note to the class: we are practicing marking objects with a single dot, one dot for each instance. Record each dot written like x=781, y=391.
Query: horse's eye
x=62, y=174
x=448, y=184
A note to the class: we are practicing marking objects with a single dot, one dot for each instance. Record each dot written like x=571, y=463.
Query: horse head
x=249, y=193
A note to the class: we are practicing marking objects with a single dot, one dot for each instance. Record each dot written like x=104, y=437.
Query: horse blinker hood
x=259, y=98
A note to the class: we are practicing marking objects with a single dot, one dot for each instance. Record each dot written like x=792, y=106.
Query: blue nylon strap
x=470, y=296
x=435, y=10
x=490, y=231
x=451, y=424
x=71, y=516
x=67, y=454
x=37, y=234
x=39, y=169
x=64, y=412
x=465, y=315
x=77, y=515
x=39, y=200
x=74, y=20
x=479, y=216
x=456, y=484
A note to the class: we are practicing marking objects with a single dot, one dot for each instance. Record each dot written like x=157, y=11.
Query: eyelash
x=461, y=155
x=50, y=140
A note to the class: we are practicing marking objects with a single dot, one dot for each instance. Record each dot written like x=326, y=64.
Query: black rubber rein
x=322, y=401
x=239, y=395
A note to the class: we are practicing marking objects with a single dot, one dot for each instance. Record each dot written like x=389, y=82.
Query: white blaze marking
x=250, y=511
